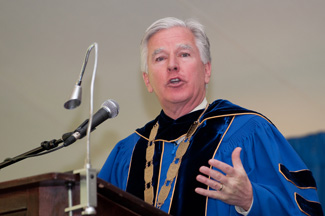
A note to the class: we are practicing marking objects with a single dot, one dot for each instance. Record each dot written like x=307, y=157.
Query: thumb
x=235, y=157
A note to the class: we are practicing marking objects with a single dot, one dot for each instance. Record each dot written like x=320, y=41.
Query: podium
x=48, y=194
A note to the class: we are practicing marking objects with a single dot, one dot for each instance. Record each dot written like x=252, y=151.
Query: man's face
x=175, y=71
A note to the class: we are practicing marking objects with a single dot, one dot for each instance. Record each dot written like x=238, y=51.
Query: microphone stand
x=45, y=146
x=88, y=175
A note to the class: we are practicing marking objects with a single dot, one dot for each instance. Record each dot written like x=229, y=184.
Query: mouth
x=174, y=81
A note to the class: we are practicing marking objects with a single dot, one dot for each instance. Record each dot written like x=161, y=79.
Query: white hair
x=201, y=39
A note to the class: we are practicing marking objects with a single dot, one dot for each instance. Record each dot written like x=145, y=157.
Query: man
x=197, y=158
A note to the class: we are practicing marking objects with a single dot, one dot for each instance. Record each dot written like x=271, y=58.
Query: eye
x=160, y=58
x=185, y=55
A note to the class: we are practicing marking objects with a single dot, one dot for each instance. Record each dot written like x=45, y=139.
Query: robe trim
x=214, y=154
x=127, y=181
x=200, y=122
x=310, y=208
x=302, y=179
x=172, y=196
x=158, y=183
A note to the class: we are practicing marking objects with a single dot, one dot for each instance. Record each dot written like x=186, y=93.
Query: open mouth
x=175, y=81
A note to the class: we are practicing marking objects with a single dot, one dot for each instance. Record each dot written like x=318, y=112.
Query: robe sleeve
x=116, y=168
x=282, y=184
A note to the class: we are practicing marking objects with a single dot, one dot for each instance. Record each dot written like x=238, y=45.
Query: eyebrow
x=185, y=46
x=180, y=46
x=157, y=51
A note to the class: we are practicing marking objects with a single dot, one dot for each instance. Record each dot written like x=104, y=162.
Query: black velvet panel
x=202, y=147
x=309, y=207
x=169, y=129
x=302, y=178
x=136, y=183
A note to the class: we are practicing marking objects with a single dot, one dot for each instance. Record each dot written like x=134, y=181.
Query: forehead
x=172, y=37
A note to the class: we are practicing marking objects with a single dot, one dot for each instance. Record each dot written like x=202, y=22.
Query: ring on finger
x=221, y=187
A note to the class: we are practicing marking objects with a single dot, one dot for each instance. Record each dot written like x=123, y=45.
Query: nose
x=175, y=68
x=173, y=64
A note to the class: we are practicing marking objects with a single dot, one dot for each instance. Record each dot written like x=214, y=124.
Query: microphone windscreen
x=112, y=107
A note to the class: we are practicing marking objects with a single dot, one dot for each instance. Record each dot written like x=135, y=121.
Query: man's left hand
x=233, y=187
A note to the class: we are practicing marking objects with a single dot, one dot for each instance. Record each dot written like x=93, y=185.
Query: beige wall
x=267, y=56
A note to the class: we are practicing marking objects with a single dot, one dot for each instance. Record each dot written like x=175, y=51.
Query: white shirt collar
x=201, y=105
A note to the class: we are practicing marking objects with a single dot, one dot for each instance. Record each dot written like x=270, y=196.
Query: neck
x=178, y=110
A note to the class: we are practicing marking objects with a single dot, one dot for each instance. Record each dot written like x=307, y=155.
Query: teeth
x=174, y=80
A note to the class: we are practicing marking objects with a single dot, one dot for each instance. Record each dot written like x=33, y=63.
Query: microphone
x=109, y=109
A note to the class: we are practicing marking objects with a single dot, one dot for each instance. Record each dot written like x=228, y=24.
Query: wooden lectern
x=48, y=194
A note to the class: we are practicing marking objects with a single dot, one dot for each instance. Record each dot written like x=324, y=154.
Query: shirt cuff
x=242, y=211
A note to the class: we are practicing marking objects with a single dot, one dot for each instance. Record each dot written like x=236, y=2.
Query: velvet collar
x=180, y=126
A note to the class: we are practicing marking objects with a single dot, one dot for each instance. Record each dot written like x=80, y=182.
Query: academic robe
x=281, y=182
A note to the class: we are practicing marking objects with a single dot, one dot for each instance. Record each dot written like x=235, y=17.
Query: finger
x=210, y=183
x=207, y=193
x=235, y=157
x=225, y=168
x=214, y=174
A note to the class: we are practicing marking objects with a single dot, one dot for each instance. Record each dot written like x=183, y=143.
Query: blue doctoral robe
x=282, y=184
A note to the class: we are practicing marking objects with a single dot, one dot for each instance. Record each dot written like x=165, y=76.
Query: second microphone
x=109, y=109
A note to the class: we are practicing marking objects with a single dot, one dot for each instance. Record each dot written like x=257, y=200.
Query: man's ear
x=207, y=67
x=146, y=80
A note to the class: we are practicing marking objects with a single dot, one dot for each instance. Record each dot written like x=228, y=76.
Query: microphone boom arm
x=45, y=146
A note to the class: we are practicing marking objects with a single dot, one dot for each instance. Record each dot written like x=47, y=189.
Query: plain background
x=267, y=56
